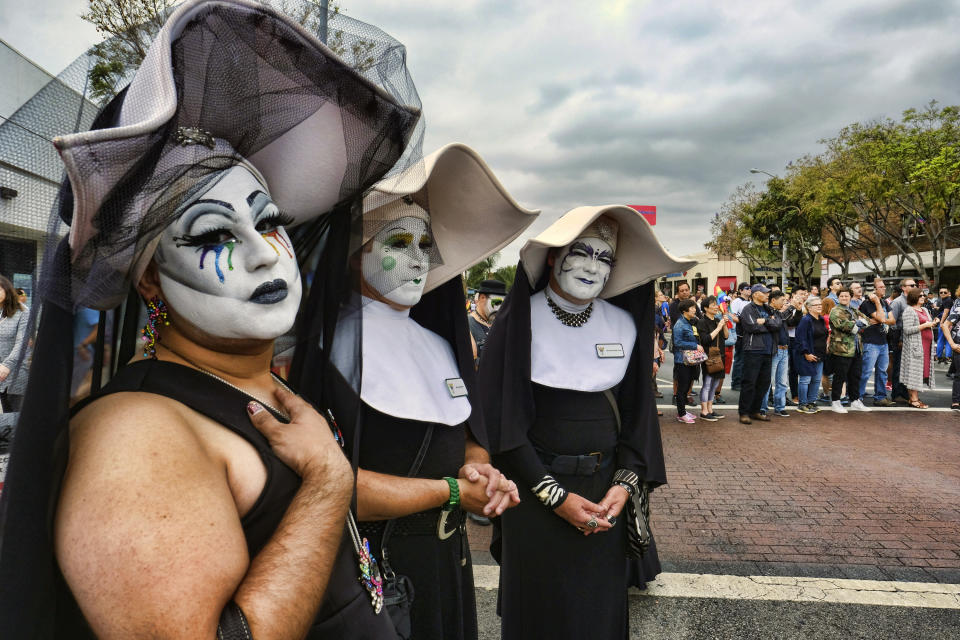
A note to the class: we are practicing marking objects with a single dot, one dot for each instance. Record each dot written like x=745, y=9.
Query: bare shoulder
x=146, y=523
x=128, y=418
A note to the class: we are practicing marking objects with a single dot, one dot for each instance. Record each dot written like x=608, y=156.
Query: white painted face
x=583, y=267
x=397, y=263
x=226, y=264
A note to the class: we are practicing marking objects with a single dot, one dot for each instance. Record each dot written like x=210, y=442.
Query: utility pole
x=324, y=8
x=784, y=267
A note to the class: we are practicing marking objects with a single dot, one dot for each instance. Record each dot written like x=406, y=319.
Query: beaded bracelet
x=549, y=492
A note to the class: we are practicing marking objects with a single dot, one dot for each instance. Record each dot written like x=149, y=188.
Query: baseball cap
x=759, y=288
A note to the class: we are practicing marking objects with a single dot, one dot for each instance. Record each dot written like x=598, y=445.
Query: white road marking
x=829, y=590
x=825, y=408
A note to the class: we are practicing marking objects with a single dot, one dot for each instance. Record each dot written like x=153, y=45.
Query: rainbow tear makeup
x=235, y=226
x=218, y=251
x=278, y=239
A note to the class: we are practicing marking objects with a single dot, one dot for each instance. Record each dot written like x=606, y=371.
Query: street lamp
x=783, y=244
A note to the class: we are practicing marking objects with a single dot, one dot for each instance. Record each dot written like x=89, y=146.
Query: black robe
x=444, y=603
x=512, y=415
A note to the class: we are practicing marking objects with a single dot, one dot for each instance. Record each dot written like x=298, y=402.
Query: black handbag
x=398, y=591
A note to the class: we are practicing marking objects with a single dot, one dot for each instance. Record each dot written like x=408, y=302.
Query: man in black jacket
x=759, y=325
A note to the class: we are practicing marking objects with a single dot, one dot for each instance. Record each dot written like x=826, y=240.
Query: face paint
x=397, y=263
x=253, y=288
x=583, y=267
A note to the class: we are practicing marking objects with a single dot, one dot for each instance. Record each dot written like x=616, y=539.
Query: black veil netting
x=244, y=75
x=255, y=83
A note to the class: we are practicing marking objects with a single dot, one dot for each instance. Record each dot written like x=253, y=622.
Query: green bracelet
x=454, y=500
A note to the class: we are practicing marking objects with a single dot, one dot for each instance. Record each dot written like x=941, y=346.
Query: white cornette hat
x=640, y=256
x=471, y=214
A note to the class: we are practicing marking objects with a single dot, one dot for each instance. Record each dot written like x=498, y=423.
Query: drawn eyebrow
x=215, y=207
x=264, y=202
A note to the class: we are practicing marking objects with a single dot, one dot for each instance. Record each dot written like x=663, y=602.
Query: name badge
x=610, y=350
x=456, y=387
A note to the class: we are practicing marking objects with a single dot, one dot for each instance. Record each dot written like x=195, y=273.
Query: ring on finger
x=592, y=523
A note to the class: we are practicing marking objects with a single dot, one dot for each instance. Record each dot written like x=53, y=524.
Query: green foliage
x=129, y=27
x=883, y=192
x=506, y=275
x=481, y=271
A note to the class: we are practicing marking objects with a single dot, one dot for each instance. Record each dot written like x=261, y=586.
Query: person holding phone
x=810, y=347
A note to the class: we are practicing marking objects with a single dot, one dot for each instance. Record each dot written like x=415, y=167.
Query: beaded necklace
x=570, y=319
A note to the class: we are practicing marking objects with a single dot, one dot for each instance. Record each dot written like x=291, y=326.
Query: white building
x=36, y=107
x=707, y=273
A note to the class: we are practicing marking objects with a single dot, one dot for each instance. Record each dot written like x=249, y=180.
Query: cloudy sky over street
x=667, y=103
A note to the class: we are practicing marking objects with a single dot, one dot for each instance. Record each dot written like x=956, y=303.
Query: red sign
x=649, y=212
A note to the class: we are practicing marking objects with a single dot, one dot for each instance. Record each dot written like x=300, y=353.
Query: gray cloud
x=667, y=104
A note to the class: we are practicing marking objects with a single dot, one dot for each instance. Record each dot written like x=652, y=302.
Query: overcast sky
x=662, y=103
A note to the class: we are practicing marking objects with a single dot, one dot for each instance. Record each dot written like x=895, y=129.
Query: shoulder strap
x=414, y=468
x=608, y=394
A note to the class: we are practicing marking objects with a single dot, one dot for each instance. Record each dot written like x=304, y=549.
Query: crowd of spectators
x=801, y=349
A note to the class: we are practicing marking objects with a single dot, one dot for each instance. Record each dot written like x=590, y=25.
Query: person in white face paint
x=195, y=494
x=570, y=412
x=489, y=297
x=419, y=439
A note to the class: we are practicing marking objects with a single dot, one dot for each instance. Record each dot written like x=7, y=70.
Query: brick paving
x=871, y=496
x=815, y=493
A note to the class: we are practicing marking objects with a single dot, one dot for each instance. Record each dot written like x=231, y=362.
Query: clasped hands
x=579, y=511
x=483, y=489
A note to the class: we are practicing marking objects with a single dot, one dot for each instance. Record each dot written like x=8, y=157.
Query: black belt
x=582, y=465
x=422, y=523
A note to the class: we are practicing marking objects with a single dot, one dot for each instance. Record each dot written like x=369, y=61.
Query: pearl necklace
x=570, y=319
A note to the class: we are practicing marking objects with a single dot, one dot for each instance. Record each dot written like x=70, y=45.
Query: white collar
x=406, y=366
x=567, y=357
x=562, y=302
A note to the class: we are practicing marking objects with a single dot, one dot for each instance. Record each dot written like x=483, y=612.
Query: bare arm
x=149, y=537
x=381, y=496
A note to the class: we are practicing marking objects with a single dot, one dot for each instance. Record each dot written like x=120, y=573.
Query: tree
x=731, y=231
x=902, y=180
x=481, y=271
x=129, y=27
x=781, y=213
x=506, y=274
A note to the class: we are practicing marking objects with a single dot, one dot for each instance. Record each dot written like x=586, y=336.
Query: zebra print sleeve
x=549, y=492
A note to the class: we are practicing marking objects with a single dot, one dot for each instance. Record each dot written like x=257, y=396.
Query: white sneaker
x=838, y=407
x=857, y=405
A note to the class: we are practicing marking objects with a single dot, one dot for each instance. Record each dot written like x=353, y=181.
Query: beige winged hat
x=640, y=256
x=471, y=214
